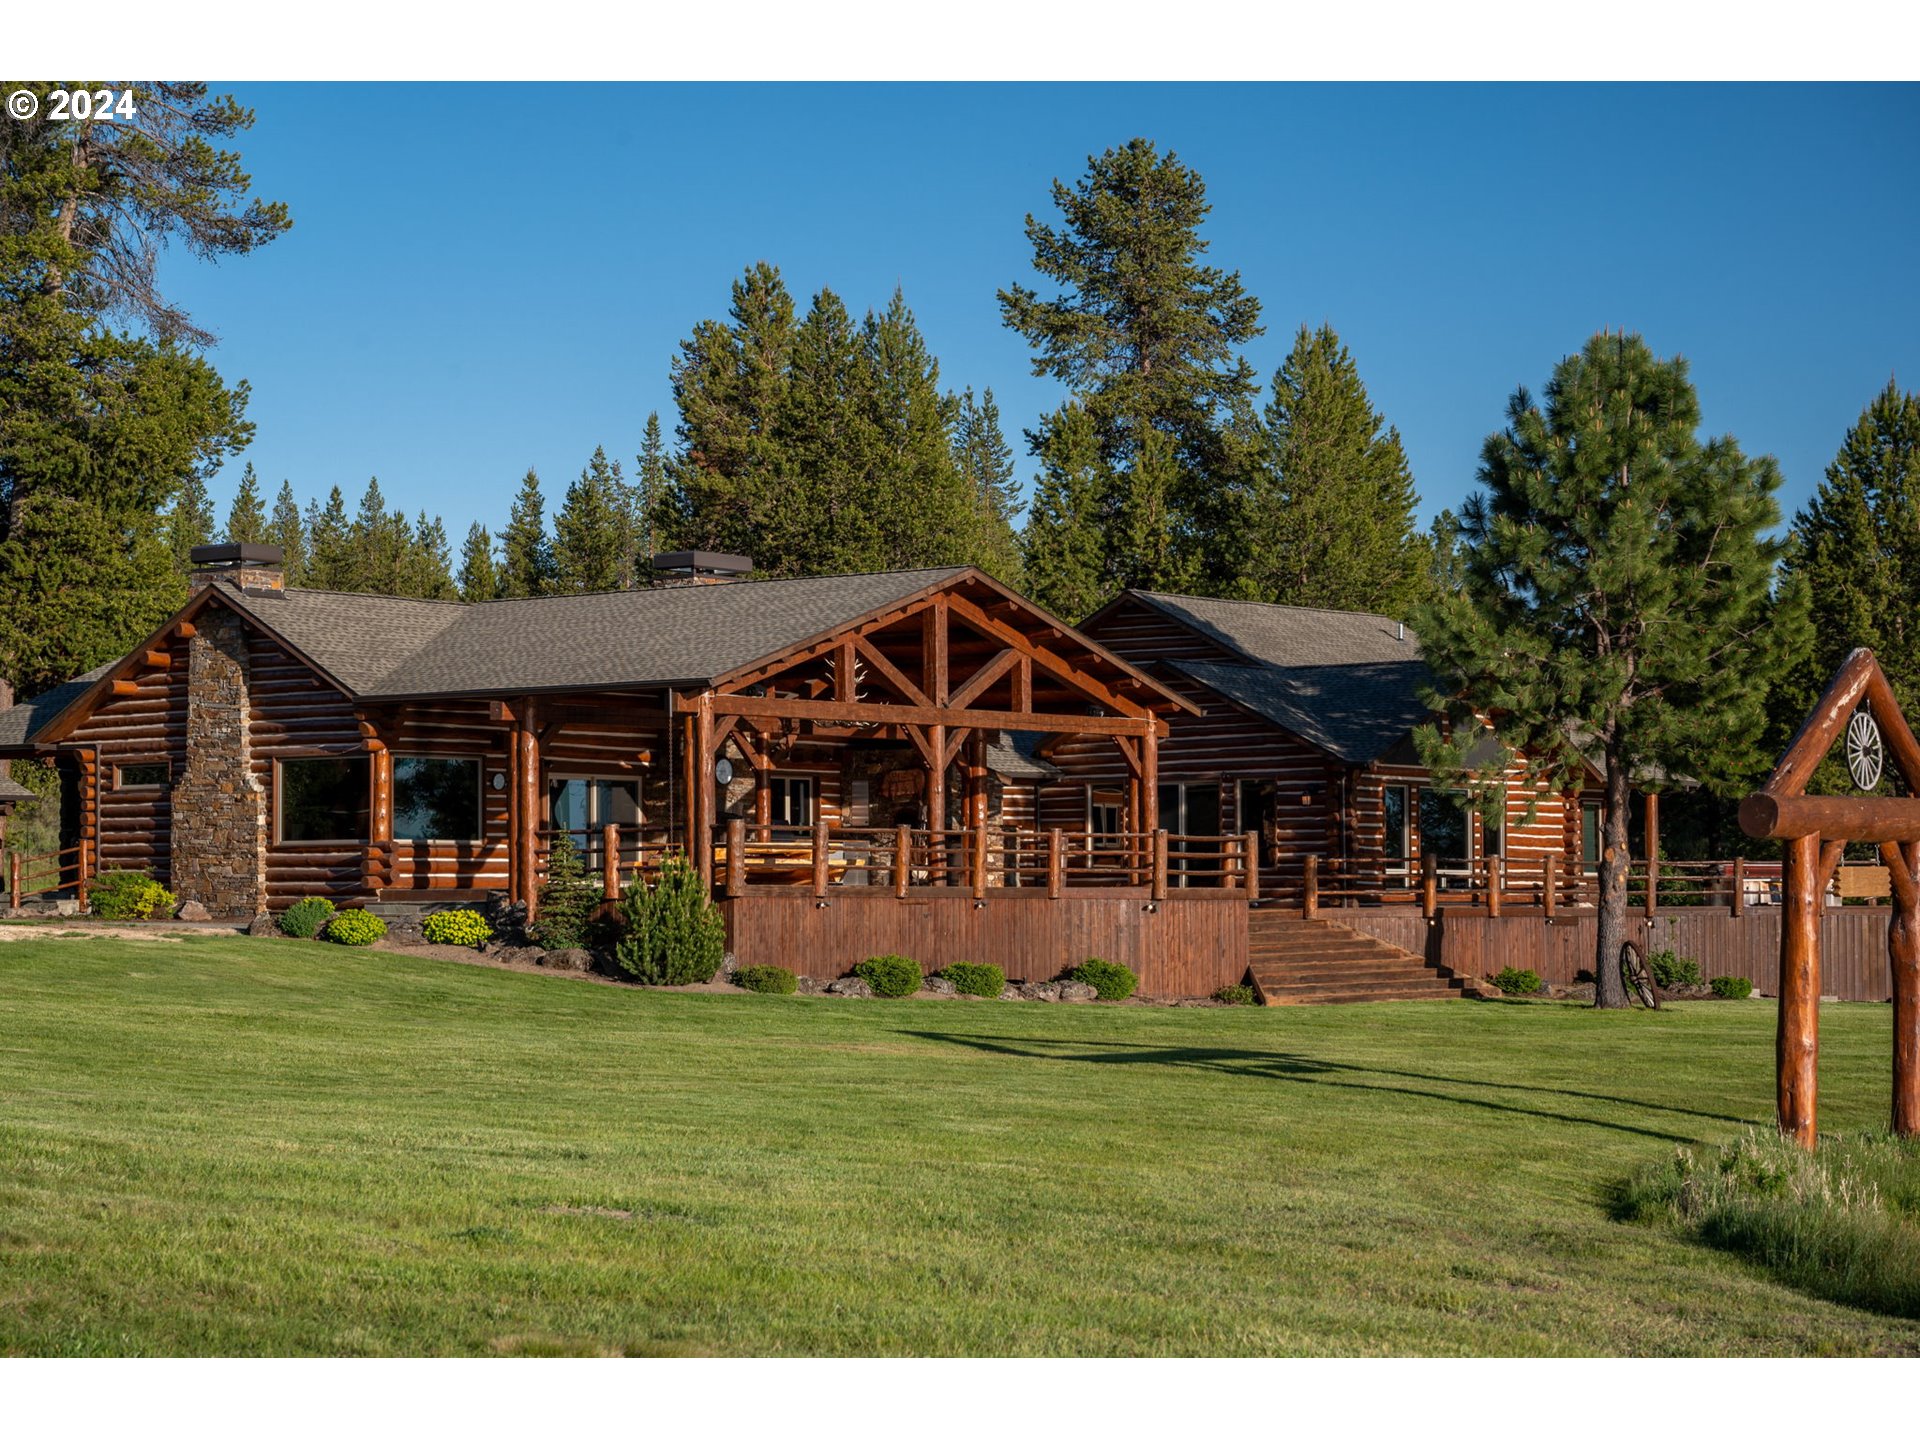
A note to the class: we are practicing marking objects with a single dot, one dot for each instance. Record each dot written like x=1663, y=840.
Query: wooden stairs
x=1317, y=962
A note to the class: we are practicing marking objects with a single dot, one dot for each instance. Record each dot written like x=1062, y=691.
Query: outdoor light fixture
x=499, y=781
x=723, y=770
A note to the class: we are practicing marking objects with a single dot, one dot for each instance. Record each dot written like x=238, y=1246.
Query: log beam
x=866, y=713
x=1797, y=1042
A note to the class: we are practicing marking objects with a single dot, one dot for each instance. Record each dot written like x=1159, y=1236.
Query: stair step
x=1296, y=961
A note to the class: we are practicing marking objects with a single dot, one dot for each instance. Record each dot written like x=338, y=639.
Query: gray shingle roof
x=1292, y=635
x=13, y=790
x=1016, y=756
x=18, y=722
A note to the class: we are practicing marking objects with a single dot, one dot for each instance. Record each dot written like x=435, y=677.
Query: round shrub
x=766, y=979
x=969, y=979
x=303, y=919
x=891, y=976
x=1732, y=987
x=457, y=927
x=1109, y=981
x=1671, y=971
x=1235, y=995
x=128, y=895
x=671, y=934
x=354, y=927
x=1517, y=982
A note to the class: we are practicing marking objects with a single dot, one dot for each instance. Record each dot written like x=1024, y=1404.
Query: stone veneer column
x=219, y=812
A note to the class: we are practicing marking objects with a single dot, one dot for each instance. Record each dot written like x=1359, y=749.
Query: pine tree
x=246, y=517
x=1331, y=518
x=985, y=462
x=479, y=577
x=1146, y=339
x=1615, y=599
x=819, y=516
x=729, y=382
x=647, y=504
x=189, y=520
x=330, y=562
x=526, y=553
x=429, y=570
x=1856, y=551
x=590, y=534
x=289, y=532
x=381, y=543
x=1063, y=548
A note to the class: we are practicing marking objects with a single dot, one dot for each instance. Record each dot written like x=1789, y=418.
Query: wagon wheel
x=1633, y=972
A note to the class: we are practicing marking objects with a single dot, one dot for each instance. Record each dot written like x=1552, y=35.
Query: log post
x=937, y=800
x=703, y=790
x=1496, y=879
x=1549, y=883
x=736, y=856
x=1653, y=853
x=1250, y=857
x=1056, y=863
x=980, y=859
x=1739, y=906
x=1159, y=864
x=1429, y=884
x=1903, y=955
x=1797, y=1045
x=902, y=860
x=14, y=877
x=820, y=859
x=529, y=746
x=1310, y=896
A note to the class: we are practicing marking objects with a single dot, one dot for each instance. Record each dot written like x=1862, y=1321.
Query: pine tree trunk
x=1610, y=991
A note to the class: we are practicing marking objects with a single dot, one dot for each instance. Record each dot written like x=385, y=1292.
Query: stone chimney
x=245, y=567
x=698, y=567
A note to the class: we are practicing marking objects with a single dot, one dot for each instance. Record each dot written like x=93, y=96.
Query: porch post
x=1150, y=781
x=703, y=789
x=1653, y=852
x=1797, y=1045
x=937, y=802
x=529, y=806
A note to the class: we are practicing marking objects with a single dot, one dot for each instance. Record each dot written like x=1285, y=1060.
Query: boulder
x=1075, y=991
x=729, y=963
x=405, y=933
x=264, y=924
x=807, y=985
x=572, y=958
x=1040, y=990
x=193, y=910
x=936, y=985
x=851, y=985
x=1011, y=992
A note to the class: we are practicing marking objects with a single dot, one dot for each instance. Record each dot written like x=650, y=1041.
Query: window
x=1104, y=811
x=1393, y=808
x=143, y=775
x=791, y=799
x=436, y=798
x=1590, y=835
x=322, y=798
x=1444, y=831
x=1253, y=804
x=1493, y=836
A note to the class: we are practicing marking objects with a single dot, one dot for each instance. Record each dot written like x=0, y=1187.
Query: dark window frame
x=280, y=762
x=121, y=785
x=782, y=784
x=479, y=764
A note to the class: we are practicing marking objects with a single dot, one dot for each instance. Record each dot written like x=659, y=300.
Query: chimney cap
x=703, y=562
x=244, y=554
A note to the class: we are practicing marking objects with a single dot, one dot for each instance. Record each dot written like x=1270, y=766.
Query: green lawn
x=232, y=1146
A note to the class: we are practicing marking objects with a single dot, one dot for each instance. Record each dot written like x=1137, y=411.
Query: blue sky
x=487, y=277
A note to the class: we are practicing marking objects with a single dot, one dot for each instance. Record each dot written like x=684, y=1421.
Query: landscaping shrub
x=671, y=934
x=128, y=895
x=1731, y=987
x=457, y=927
x=354, y=927
x=1235, y=995
x=1842, y=1223
x=1109, y=981
x=1671, y=971
x=303, y=919
x=891, y=976
x=567, y=900
x=767, y=980
x=1517, y=982
x=969, y=979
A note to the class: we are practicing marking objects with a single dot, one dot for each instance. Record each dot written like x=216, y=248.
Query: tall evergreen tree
x=246, y=516
x=590, y=539
x=526, y=552
x=1062, y=549
x=820, y=517
x=1616, y=599
x=1330, y=519
x=429, y=566
x=189, y=521
x=381, y=543
x=1146, y=337
x=985, y=462
x=479, y=577
x=647, y=504
x=289, y=532
x=729, y=382
x=1857, y=554
x=330, y=563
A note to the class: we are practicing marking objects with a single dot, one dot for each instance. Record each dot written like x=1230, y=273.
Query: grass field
x=233, y=1146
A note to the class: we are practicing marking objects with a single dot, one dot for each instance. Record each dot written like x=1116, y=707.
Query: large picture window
x=436, y=798
x=323, y=797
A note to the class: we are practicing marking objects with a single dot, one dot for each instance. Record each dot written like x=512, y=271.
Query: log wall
x=1187, y=945
x=132, y=828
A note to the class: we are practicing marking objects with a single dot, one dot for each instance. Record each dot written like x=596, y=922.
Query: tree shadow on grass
x=1301, y=1069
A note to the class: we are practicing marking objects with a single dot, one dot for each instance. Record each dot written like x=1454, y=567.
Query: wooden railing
x=1496, y=885
x=51, y=870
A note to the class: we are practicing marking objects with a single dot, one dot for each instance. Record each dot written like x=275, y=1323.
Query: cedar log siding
x=294, y=714
x=131, y=829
